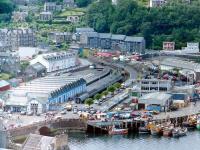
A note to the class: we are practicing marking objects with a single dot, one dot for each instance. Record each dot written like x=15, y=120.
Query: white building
x=157, y=3
x=56, y=61
x=154, y=85
x=46, y=16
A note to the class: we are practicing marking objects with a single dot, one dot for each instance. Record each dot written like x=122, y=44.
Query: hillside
x=6, y=7
x=179, y=22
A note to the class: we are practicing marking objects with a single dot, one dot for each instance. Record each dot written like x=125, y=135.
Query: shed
x=157, y=98
x=4, y=85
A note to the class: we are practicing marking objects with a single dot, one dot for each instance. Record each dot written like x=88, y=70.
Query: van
x=68, y=107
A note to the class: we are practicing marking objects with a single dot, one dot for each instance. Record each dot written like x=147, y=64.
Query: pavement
x=186, y=111
x=17, y=120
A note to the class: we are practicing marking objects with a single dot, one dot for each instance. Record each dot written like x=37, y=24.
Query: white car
x=63, y=112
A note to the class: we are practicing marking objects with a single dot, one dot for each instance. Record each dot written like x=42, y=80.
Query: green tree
x=111, y=89
x=82, y=3
x=105, y=93
x=117, y=85
x=89, y=101
x=97, y=96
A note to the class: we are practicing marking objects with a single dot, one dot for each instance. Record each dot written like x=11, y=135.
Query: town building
x=20, y=2
x=88, y=38
x=9, y=62
x=5, y=48
x=60, y=37
x=35, y=70
x=9, y=39
x=27, y=37
x=52, y=7
x=157, y=3
x=18, y=16
x=154, y=85
x=73, y=18
x=46, y=16
x=117, y=42
x=135, y=44
x=158, y=101
x=56, y=61
x=105, y=40
x=43, y=94
x=114, y=2
x=191, y=47
x=18, y=37
x=169, y=46
x=69, y=3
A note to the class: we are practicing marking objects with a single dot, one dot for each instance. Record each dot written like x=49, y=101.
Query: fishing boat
x=116, y=131
x=198, y=123
x=178, y=132
x=144, y=130
x=167, y=131
x=191, y=122
x=156, y=130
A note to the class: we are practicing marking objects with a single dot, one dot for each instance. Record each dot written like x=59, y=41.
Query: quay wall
x=71, y=124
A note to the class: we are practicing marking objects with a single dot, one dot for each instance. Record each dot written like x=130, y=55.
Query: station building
x=44, y=94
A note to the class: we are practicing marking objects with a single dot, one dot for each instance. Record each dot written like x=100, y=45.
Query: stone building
x=46, y=16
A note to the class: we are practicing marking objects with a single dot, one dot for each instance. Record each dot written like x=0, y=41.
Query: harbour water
x=134, y=142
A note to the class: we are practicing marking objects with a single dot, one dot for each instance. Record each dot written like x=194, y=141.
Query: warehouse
x=45, y=93
x=160, y=99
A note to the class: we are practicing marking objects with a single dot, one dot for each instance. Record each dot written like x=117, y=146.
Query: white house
x=157, y=3
x=56, y=61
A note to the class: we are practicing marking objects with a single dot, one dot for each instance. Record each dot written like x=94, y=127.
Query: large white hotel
x=56, y=61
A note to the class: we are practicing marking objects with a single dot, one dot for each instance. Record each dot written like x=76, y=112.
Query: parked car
x=75, y=111
x=23, y=113
x=63, y=112
x=30, y=113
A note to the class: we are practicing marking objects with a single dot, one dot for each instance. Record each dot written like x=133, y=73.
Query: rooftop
x=134, y=39
x=155, y=98
x=180, y=63
x=84, y=30
x=118, y=37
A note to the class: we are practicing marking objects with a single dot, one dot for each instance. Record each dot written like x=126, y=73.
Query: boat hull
x=118, y=132
x=198, y=126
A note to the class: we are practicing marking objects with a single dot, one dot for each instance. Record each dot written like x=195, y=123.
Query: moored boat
x=144, y=130
x=178, y=132
x=156, y=130
x=198, y=123
x=116, y=131
x=191, y=122
x=167, y=131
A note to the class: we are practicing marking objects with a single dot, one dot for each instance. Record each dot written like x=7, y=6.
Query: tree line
x=176, y=21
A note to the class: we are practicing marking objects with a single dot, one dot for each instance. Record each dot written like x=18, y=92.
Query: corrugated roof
x=4, y=83
x=84, y=30
x=134, y=39
x=155, y=98
x=179, y=63
x=105, y=35
x=118, y=37
x=38, y=66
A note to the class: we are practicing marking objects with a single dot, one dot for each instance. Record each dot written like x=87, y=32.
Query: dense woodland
x=6, y=7
x=179, y=22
